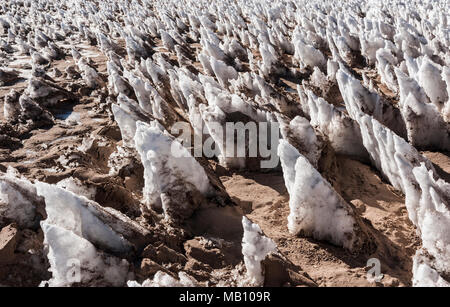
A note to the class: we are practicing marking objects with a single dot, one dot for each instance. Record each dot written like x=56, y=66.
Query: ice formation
x=426, y=198
x=162, y=279
x=358, y=99
x=75, y=186
x=308, y=55
x=342, y=132
x=300, y=132
x=89, y=74
x=82, y=238
x=80, y=216
x=75, y=260
x=127, y=113
x=255, y=248
x=18, y=200
x=373, y=83
x=320, y=213
x=171, y=173
x=426, y=128
x=425, y=276
x=432, y=211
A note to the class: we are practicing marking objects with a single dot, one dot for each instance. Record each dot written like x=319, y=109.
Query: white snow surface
x=162, y=279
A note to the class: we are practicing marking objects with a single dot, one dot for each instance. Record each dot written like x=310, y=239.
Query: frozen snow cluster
x=170, y=172
x=162, y=279
x=17, y=200
x=365, y=79
x=427, y=196
x=255, y=248
x=86, y=243
x=320, y=212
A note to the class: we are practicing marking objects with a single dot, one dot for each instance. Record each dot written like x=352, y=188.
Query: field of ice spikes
x=117, y=168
